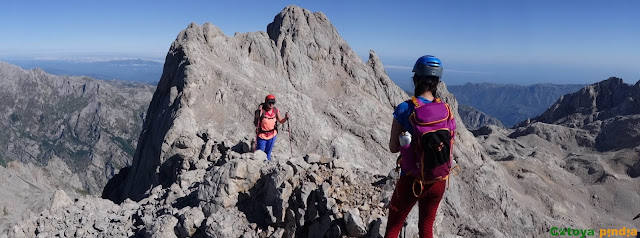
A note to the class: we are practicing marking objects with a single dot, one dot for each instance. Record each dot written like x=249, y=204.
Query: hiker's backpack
x=428, y=157
x=271, y=122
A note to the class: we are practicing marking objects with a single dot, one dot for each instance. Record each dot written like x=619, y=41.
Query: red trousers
x=403, y=200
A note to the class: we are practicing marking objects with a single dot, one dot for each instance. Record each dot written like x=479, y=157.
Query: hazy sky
x=502, y=41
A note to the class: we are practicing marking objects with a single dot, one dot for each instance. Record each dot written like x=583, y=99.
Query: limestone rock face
x=88, y=217
x=598, y=101
x=619, y=132
x=60, y=200
x=340, y=106
x=232, y=195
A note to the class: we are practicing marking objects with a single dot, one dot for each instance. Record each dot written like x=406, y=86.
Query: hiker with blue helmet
x=423, y=132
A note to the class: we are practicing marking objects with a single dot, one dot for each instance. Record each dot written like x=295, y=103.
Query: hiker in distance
x=266, y=121
x=423, y=130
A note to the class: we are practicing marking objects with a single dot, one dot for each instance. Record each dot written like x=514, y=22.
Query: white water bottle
x=405, y=138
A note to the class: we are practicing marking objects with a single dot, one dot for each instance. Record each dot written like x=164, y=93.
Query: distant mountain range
x=516, y=102
x=136, y=70
x=91, y=125
x=511, y=103
x=63, y=132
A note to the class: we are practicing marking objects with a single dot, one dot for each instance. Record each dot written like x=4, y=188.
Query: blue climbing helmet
x=428, y=65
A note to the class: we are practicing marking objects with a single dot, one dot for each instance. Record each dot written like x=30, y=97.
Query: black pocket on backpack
x=436, y=148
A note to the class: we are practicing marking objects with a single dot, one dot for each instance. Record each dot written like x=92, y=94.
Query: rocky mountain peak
x=296, y=23
x=598, y=101
x=607, y=113
x=212, y=84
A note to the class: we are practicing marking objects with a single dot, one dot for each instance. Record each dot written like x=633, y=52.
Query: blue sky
x=519, y=42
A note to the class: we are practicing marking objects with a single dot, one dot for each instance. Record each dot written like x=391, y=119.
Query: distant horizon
x=402, y=82
x=519, y=42
x=460, y=75
x=454, y=76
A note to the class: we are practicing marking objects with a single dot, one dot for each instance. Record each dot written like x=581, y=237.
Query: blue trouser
x=266, y=145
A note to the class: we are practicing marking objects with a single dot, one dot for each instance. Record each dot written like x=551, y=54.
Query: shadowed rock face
x=91, y=125
x=193, y=175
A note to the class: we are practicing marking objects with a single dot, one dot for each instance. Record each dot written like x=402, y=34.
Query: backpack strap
x=422, y=183
x=260, y=107
x=418, y=103
x=262, y=112
x=277, y=112
x=259, y=119
x=262, y=116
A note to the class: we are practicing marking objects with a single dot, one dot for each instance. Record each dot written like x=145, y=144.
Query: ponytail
x=425, y=83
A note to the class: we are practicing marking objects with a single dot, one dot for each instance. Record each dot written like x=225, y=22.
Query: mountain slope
x=89, y=124
x=583, y=152
x=26, y=189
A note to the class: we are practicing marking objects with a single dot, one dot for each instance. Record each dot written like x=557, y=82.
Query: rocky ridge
x=246, y=196
x=474, y=119
x=608, y=110
x=193, y=174
x=562, y=160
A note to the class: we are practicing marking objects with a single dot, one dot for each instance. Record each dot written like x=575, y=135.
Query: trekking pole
x=255, y=145
x=404, y=229
x=290, y=142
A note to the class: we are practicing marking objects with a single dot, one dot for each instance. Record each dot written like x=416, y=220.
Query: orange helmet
x=270, y=98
